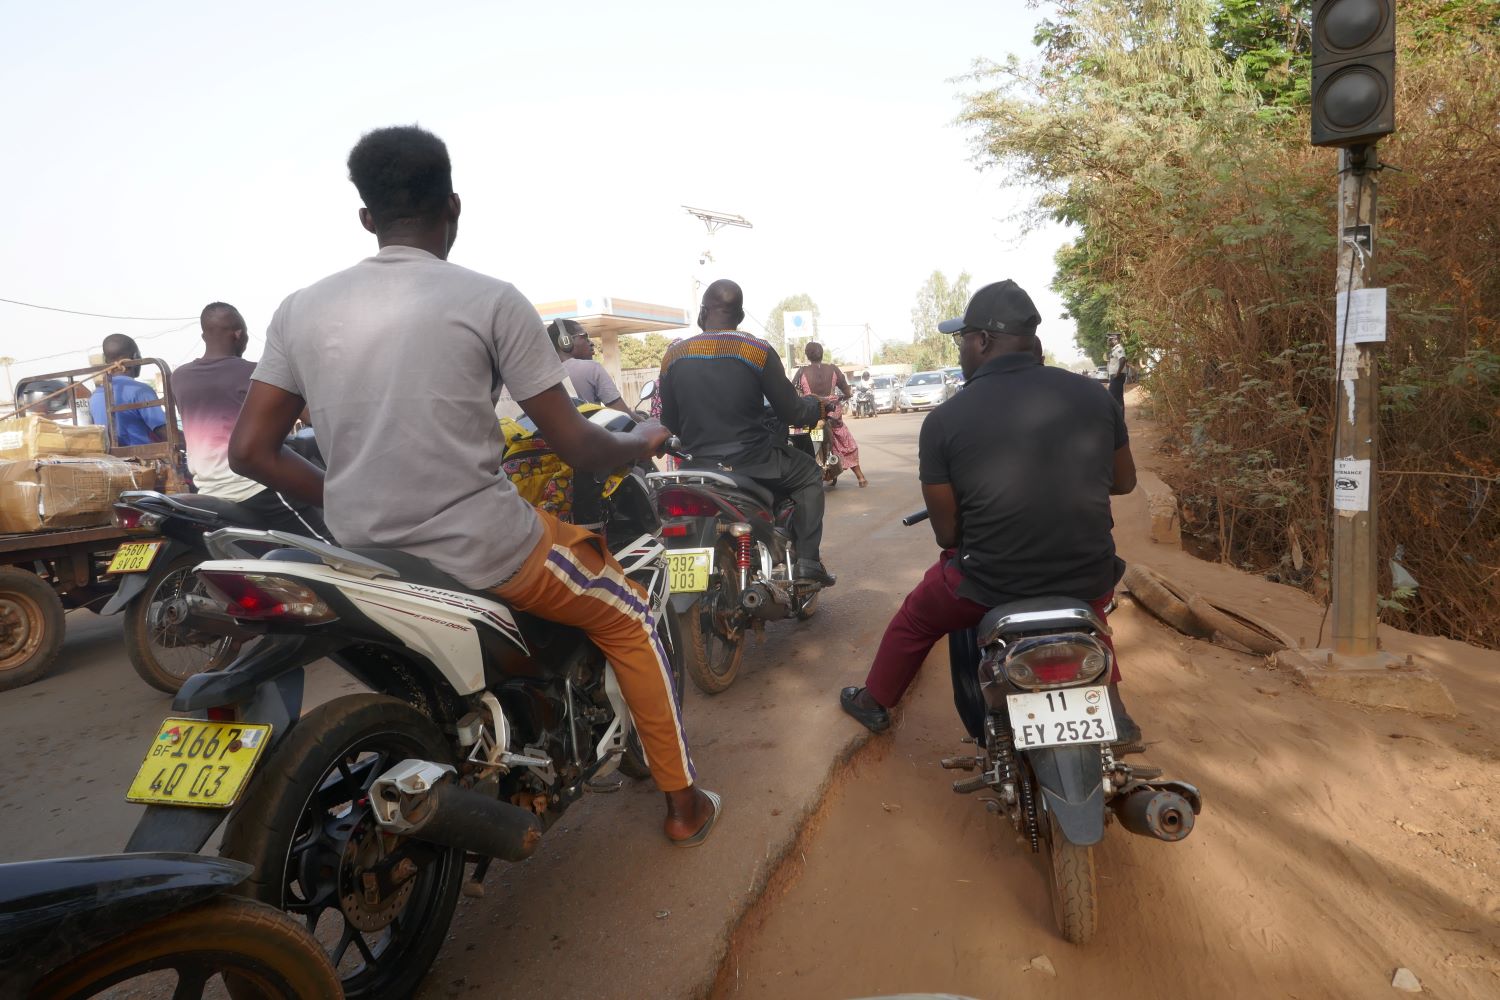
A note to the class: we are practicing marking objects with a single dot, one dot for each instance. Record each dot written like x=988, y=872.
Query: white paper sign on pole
x=1365, y=321
x=1351, y=484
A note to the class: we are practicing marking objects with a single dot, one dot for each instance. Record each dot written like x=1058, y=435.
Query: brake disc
x=360, y=896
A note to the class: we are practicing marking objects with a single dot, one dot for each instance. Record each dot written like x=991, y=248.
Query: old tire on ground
x=31, y=627
x=712, y=660
x=161, y=658
x=307, y=827
x=260, y=951
x=633, y=763
x=1163, y=600
x=1253, y=635
x=1075, y=886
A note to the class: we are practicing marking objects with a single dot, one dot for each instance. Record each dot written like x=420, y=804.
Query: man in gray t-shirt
x=591, y=381
x=401, y=359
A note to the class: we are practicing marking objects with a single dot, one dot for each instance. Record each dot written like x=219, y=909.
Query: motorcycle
x=864, y=400
x=1030, y=687
x=487, y=725
x=157, y=583
x=732, y=562
x=817, y=443
x=77, y=927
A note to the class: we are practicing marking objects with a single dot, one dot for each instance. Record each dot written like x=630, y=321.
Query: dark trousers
x=788, y=473
x=281, y=513
x=932, y=610
x=1117, y=388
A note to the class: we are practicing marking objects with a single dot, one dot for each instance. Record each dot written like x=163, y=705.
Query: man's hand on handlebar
x=655, y=437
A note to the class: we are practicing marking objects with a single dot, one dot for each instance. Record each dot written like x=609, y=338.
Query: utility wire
x=76, y=312
x=85, y=350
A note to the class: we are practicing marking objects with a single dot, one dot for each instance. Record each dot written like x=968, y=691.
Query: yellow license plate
x=816, y=434
x=196, y=763
x=690, y=570
x=134, y=557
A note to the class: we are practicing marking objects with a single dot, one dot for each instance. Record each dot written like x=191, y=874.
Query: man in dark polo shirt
x=1017, y=472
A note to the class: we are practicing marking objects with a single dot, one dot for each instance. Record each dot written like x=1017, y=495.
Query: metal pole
x=1356, y=418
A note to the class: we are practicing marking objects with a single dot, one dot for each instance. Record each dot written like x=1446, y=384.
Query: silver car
x=885, y=389
x=925, y=390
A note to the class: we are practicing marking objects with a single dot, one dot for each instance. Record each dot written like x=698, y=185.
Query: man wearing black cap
x=1017, y=472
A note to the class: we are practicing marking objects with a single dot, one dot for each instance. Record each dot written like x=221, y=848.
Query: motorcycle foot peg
x=967, y=786
x=960, y=763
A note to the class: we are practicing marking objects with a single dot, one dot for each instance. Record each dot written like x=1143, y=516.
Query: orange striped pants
x=571, y=578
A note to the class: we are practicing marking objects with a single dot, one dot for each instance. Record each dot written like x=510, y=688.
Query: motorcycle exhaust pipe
x=1155, y=812
x=470, y=820
x=760, y=602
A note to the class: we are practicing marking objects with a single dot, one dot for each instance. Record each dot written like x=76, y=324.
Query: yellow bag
x=539, y=473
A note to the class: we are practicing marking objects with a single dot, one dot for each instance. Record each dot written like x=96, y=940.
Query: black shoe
x=812, y=569
x=876, y=720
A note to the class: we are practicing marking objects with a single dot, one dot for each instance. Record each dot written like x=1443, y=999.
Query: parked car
x=957, y=375
x=925, y=390
x=1100, y=374
x=886, y=391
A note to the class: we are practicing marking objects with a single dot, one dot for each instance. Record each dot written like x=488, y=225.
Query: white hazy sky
x=159, y=156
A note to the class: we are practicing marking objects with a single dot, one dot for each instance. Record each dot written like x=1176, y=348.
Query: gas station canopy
x=605, y=317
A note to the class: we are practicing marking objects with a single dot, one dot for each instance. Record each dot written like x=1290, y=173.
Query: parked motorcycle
x=1030, y=686
x=733, y=566
x=77, y=927
x=482, y=726
x=157, y=582
x=864, y=400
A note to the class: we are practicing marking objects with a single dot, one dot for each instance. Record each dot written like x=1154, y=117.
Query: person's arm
x=937, y=483
x=792, y=409
x=942, y=511
x=154, y=417
x=1124, y=480
x=257, y=448
x=666, y=402
x=585, y=446
x=841, y=383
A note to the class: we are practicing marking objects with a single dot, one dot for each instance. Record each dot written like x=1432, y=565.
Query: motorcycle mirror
x=648, y=390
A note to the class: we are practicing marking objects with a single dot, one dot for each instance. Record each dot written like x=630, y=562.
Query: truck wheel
x=31, y=627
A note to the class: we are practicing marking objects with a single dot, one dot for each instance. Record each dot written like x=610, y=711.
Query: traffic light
x=1353, y=71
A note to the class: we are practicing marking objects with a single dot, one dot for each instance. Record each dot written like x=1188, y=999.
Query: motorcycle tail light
x=222, y=713
x=260, y=597
x=127, y=518
x=685, y=503
x=1052, y=661
x=674, y=531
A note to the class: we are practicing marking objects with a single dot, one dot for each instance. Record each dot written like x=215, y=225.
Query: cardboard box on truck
x=31, y=436
x=66, y=491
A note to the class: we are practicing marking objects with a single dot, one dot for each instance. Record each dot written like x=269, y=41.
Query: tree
x=791, y=353
x=643, y=351
x=937, y=300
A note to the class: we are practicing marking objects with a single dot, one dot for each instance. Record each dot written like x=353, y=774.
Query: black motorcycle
x=864, y=400
x=155, y=570
x=77, y=927
x=1030, y=687
x=733, y=565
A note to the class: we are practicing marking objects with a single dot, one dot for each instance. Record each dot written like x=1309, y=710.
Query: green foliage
x=791, y=352
x=643, y=351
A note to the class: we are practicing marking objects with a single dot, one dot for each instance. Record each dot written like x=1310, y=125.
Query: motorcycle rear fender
x=132, y=585
x=53, y=911
x=1070, y=780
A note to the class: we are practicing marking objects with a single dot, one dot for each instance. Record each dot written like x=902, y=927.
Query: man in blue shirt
x=132, y=427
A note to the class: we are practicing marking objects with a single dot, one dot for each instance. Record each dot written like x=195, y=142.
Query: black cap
x=1003, y=307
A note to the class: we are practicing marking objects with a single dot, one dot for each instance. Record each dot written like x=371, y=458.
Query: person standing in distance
x=1117, y=369
x=401, y=359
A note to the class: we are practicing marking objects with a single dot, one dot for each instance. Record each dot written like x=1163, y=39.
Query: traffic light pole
x=1356, y=438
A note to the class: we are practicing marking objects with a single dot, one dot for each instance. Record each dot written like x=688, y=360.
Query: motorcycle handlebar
x=673, y=447
x=917, y=518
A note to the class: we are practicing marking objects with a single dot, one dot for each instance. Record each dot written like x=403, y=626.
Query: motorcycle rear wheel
x=711, y=658
x=308, y=829
x=260, y=952
x=161, y=657
x=1075, y=885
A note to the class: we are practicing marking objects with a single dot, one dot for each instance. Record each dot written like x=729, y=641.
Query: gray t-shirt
x=591, y=381
x=401, y=359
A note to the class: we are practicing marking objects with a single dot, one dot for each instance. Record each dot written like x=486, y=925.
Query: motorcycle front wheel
x=712, y=657
x=228, y=944
x=308, y=829
x=1075, y=885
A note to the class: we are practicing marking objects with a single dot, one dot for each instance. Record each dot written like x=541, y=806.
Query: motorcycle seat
x=228, y=511
x=1038, y=614
x=745, y=484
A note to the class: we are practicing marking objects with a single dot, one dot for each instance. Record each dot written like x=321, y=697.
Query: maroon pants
x=932, y=610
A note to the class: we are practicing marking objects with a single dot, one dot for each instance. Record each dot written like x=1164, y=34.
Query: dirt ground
x=1336, y=845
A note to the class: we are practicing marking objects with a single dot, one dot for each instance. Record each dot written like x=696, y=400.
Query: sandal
x=708, y=826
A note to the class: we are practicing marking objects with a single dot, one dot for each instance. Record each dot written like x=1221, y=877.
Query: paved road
x=606, y=908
